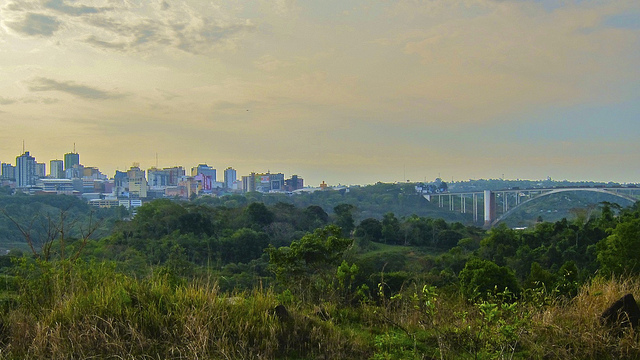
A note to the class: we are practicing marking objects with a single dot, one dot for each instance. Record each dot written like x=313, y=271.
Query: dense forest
x=260, y=277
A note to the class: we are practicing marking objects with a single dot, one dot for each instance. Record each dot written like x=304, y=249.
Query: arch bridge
x=511, y=199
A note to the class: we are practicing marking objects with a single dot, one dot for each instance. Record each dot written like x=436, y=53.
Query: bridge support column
x=489, y=207
x=475, y=207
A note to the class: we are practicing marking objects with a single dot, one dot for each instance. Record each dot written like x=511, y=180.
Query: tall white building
x=26, y=175
x=8, y=172
x=56, y=168
x=41, y=170
x=229, y=177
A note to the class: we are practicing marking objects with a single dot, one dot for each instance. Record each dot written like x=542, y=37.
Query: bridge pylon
x=489, y=208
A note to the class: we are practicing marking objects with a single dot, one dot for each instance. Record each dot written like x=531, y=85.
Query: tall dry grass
x=109, y=315
x=531, y=327
x=571, y=329
x=80, y=311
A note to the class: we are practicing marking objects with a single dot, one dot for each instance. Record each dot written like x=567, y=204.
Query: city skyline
x=343, y=92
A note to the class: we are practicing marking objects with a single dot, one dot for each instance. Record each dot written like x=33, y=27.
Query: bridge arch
x=556, y=191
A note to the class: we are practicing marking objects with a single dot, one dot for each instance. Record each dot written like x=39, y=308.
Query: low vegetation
x=256, y=281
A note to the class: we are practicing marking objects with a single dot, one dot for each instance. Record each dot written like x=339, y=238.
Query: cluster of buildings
x=130, y=188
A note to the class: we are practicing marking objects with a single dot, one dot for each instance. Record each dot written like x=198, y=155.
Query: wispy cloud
x=69, y=87
x=33, y=24
x=207, y=34
x=125, y=27
x=94, y=41
x=61, y=6
x=6, y=101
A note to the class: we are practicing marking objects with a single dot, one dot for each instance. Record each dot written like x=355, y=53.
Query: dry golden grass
x=571, y=329
x=96, y=313
x=123, y=318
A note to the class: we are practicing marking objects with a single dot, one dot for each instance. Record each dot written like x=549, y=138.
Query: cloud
x=128, y=35
x=94, y=41
x=282, y=7
x=269, y=63
x=81, y=91
x=197, y=35
x=205, y=34
x=39, y=100
x=60, y=6
x=36, y=25
x=5, y=101
x=127, y=26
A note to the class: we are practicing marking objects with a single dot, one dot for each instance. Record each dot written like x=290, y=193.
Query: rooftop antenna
x=156, y=159
x=23, y=146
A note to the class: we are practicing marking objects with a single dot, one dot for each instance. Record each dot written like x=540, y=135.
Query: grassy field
x=79, y=311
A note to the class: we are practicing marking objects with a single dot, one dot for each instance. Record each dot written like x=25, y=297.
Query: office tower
x=157, y=178
x=294, y=183
x=56, y=169
x=74, y=172
x=249, y=182
x=8, y=172
x=137, y=183
x=25, y=170
x=276, y=181
x=229, y=177
x=71, y=159
x=164, y=177
x=41, y=170
x=204, y=169
x=175, y=174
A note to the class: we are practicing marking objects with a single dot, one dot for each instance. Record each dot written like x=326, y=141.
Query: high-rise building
x=26, y=170
x=56, y=169
x=158, y=178
x=8, y=172
x=91, y=172
x=71, y=159
x=229, y=177
x=137, y=183
x=175, y=174
x=41, y=170
x=204, y=169
x=74, y=172
x=249, y=182
x=276, y=182
x=294, y=183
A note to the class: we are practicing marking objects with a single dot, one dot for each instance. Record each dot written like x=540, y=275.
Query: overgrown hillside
x=256, y=281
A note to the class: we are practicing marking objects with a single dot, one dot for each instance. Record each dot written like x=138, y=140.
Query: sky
x=346, y=92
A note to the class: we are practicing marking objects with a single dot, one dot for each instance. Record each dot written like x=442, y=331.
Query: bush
x=482, y=277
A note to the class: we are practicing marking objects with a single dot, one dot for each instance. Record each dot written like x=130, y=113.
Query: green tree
x=619, y=253
x=391, y=229
x=369, y=230
x=482, y=277
x=314, y=217
x=344, y=218
x=501, y=243
x=540, y=278
x=257, y=213
x=310, y=260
